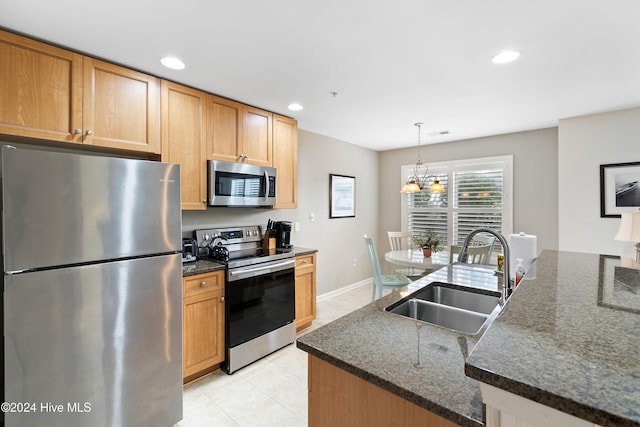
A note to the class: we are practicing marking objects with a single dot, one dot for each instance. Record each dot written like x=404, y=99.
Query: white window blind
x=478, y=193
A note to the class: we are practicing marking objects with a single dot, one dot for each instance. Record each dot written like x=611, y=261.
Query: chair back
x=484, y=239
x=476, y=254
x=376, y=273
x=399, y=240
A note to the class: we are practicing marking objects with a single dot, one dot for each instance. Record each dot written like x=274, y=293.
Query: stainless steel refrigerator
x=92, y=301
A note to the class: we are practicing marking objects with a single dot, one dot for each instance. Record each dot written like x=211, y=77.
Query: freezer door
x=62, y=208
x=96, y=345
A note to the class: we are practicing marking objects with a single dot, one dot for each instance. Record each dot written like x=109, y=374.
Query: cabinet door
x=183, y=133
x=285, y=160
x=224, y=129
x=40, y=90
x=203, y=331
x=305, y=290
x=257, y=137
x=121, y=108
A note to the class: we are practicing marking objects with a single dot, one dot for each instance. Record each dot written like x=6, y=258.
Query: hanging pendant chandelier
x=417, y=182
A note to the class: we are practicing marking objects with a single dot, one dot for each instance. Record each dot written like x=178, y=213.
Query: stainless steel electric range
x=259, y=293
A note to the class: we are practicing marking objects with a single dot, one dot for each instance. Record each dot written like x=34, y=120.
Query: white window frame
x=465, y=165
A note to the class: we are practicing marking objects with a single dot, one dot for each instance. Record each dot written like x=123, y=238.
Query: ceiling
x=391, y=64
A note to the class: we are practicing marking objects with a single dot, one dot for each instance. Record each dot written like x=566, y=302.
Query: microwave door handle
x=266, y=193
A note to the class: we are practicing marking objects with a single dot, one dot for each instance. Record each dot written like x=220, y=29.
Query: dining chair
x=381, y=281
x=484, y=239
x=477, y=254
x=400, y=240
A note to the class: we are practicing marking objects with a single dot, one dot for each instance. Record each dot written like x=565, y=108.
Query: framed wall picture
x=342, y=196
x=619, y=189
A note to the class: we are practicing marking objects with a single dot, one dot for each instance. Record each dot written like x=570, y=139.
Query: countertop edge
x=391, y=388
x=303, y=251
x=544, y=397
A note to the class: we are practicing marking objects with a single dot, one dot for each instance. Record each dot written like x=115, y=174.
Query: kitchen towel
x=525, y=247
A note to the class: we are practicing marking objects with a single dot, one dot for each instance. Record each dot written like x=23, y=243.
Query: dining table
x=415, y=258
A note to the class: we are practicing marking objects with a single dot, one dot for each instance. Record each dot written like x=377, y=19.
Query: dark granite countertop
x=205, y=265
x=382, y=348
x=200, y=266
x=569, y=339
x=297, y=251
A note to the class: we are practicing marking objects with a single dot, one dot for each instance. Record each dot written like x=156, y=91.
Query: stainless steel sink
x=467, y=300
x=453, y=308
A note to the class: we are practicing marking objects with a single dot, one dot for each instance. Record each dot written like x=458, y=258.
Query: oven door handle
x=268, y=268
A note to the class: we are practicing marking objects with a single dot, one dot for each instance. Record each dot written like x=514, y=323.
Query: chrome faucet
x=506, y=287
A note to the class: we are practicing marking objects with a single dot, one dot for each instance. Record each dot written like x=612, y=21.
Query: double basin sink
x=464, y=310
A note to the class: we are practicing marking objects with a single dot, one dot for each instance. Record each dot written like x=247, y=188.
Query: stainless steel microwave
x=240, y=185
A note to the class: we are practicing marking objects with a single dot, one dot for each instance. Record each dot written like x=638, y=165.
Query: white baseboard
x=342, y=290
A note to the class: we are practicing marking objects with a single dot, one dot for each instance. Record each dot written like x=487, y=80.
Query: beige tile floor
x=269, y=392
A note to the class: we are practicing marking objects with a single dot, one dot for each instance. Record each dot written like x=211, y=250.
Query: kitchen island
x=382, y=349
x=567, y=339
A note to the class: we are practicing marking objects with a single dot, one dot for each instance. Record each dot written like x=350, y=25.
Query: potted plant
x=428, y=241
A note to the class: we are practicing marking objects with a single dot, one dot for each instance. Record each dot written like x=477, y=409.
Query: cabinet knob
x=204, y=201
x=78, y=131
x=203, y=284
x=222, y=299
x=89, y=132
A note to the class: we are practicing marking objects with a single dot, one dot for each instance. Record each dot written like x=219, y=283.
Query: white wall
x=338, y=241
x=584, y=143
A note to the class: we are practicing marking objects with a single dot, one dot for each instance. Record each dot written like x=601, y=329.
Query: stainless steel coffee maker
x=283, y=234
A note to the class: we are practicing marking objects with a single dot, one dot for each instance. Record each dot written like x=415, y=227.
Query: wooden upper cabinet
x=121, y=108
x=183, y=140
x=257, y=137
x=224, y=129
x=285, y=160
x=40, y=90
x=54, y=94
x=238, y=133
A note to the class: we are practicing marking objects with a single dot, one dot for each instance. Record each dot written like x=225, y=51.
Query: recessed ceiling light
x=173, y=63
x=504, y=57
x=295, y=107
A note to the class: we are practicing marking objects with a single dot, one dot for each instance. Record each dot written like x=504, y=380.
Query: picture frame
x=619, y=189
x=342, y=196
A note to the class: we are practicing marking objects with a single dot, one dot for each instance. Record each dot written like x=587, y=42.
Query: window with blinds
x=477, y=194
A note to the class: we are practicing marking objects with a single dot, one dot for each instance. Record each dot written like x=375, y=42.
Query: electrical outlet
x=355, y=262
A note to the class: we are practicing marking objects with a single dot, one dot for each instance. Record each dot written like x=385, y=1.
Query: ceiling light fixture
x=295, y=107
x=417, y=183
x=173, y=63
x=505, y=57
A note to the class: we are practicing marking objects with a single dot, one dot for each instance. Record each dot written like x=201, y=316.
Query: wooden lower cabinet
x=305, y=290
x=203, y=323
x=338, y=398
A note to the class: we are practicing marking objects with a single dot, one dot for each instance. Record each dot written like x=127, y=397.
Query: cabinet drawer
x=201, y=283
x=304, y=262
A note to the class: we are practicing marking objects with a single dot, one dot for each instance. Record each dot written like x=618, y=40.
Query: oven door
x=259, y=299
